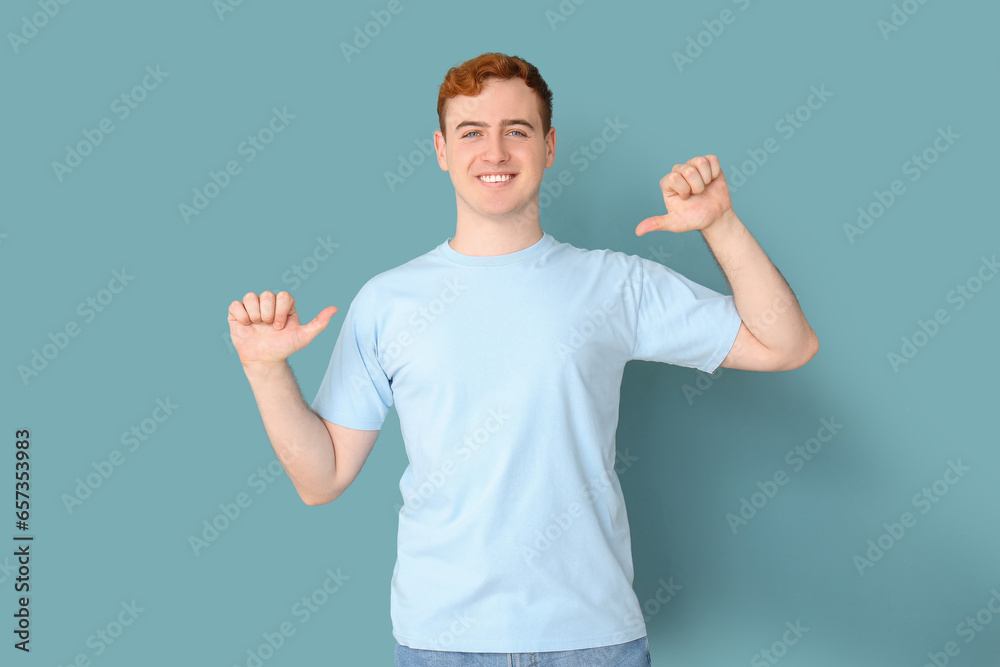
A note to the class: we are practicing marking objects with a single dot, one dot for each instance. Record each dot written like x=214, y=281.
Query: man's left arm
x=774, y=335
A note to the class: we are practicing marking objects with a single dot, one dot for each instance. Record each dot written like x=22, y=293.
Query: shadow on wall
x=731, y=503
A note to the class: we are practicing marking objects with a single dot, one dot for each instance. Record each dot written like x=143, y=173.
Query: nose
x=495, y=151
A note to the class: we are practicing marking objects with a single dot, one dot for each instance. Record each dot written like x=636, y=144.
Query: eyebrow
x=507, y=122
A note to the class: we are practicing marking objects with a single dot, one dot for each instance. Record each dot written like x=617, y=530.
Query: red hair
x=470, y=77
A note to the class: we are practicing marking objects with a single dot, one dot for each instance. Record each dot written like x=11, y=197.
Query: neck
x=494, y=240
x=482, y=236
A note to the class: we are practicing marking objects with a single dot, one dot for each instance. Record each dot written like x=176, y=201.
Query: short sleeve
x=355, y=391
x=681, y=322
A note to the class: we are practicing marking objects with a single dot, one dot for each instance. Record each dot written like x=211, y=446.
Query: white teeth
x=496, y=179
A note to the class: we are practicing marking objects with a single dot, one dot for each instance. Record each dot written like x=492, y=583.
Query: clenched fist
x=267, y=328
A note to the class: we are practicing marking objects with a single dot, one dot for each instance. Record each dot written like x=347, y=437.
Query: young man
x=503, y=351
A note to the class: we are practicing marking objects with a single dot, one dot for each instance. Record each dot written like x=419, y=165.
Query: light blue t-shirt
x=505, y=372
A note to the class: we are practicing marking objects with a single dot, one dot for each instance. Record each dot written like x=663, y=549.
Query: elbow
x=812, y=346
x=313, y=499
x=807, y=351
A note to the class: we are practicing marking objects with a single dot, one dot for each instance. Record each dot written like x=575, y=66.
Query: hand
x=696, y=195
x=267, y=329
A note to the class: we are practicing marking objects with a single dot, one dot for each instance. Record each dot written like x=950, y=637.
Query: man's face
x=495, y=151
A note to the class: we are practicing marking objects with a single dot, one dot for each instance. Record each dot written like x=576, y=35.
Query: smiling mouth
x=496, y=178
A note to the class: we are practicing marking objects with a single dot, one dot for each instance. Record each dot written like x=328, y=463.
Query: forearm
x=765, y=302
x=298, y=436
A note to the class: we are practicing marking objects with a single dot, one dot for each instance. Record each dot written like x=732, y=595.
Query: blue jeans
x=630, y=654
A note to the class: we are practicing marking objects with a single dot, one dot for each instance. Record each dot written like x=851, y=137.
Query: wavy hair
x=470, y=77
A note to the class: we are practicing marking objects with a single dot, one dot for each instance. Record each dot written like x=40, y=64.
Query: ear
x=439, y=149
x=550, y=148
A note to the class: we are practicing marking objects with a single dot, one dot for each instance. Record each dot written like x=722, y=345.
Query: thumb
x=651, y=224
x=307, y=332
x=321, y=320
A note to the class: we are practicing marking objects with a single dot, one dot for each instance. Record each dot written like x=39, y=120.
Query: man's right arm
x=320, y=457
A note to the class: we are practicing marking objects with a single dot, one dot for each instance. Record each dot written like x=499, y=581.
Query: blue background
x=689, y=459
